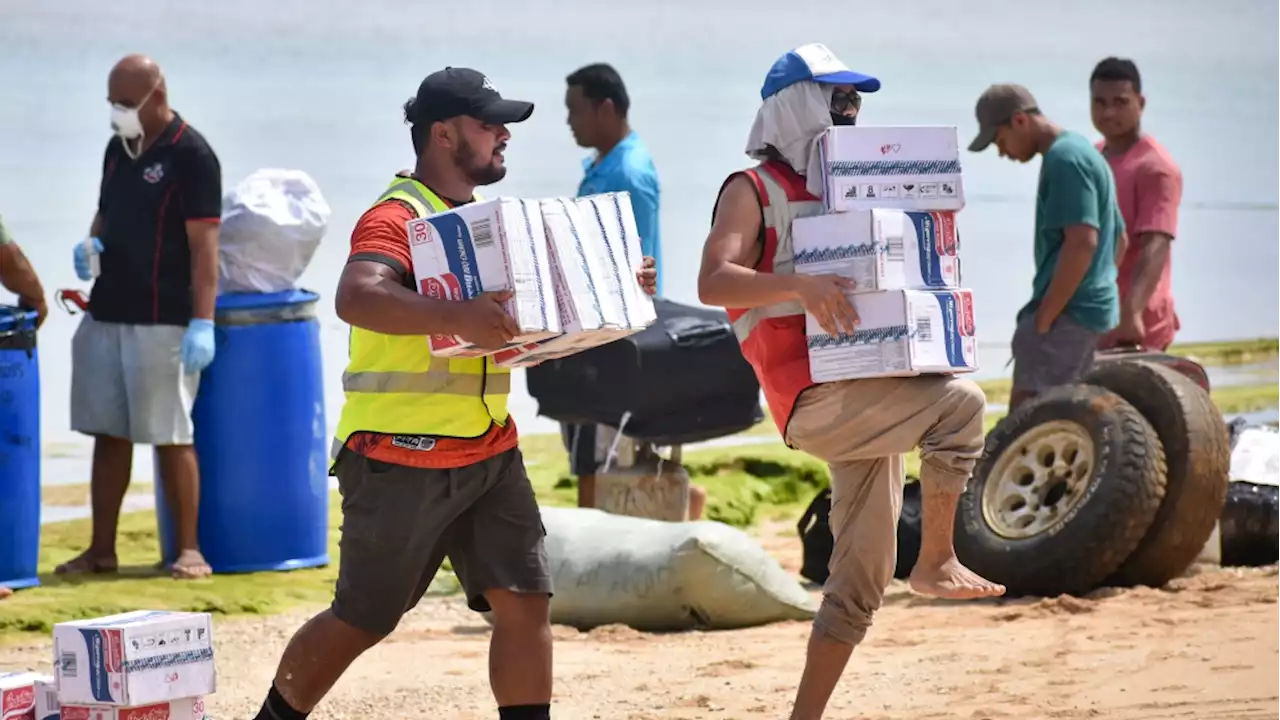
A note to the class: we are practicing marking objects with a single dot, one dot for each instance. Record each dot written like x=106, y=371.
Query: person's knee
x=519, y=610
x=350, y=633
x=113, y=442
x=367, y=619
x=968, y=397
x=175, y=451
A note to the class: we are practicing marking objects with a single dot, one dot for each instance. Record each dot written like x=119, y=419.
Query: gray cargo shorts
x=1059, y=357
x=399, y=523
x=127, y=382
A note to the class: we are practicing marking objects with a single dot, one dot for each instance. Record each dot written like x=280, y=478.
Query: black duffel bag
x=682, y=380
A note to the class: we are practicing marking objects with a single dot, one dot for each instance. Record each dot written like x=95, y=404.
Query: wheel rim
x=1038, y=480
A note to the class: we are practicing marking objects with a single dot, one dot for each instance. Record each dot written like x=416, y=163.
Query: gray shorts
x=1059, y=357
x=399, y=523
x=127, y=382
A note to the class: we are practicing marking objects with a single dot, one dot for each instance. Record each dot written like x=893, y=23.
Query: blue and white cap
x=814, y=62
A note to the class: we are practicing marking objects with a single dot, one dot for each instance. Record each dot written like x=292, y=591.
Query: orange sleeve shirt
x=380, y=236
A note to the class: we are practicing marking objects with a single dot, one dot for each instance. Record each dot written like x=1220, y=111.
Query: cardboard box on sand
x=142, y=665
x=570, y=263
x=891, y=199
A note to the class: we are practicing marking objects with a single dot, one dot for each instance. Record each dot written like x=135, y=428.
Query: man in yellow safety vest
x=425, y=452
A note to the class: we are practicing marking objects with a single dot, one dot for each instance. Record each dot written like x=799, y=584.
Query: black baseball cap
x=452, y=92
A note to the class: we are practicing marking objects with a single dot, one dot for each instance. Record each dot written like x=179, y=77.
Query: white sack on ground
x=664, y=576
x=272, y=223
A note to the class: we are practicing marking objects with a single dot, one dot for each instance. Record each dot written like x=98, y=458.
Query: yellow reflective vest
x=394, y=385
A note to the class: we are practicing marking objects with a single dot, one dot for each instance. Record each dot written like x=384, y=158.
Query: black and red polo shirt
x=145, y=205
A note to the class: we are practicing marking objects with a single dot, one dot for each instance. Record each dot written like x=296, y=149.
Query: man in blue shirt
x=1079, y=238
x=597, y=102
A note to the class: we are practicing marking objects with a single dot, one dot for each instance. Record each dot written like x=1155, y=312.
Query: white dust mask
x=128, y=126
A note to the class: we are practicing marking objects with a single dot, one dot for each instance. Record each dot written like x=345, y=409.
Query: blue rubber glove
x=197, y=346
x=82, y=259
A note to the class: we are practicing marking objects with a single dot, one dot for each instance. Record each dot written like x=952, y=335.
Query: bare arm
x=19, y=278
x=1122, y=244
x=95, y=229
x=202, y=238
x=726, y=278
x=1078, y=246
x=1150, y=263
x=370, y=296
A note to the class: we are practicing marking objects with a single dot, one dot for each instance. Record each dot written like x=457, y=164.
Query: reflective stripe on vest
x=778, y=210
x=772, y=337
x=394, y=385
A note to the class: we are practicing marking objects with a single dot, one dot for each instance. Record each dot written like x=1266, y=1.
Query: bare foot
x=88, y=562
x=5, y=592
x=190, y=565
x=952, y=581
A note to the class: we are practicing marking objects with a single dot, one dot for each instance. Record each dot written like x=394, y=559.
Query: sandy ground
x=1204, y=648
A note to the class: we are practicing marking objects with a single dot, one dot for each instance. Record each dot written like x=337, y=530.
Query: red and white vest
x=772, y=336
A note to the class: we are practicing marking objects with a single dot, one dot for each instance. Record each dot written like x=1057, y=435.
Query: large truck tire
x=1066, y=488
x=1197, y=453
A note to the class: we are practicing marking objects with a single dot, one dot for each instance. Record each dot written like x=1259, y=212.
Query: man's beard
x=479, y=172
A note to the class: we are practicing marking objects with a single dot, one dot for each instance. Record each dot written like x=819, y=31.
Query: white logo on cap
x=488, y=85
x=821, y=61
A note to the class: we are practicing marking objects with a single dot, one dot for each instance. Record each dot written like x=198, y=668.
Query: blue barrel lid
x=16, y=318
x=263, y=301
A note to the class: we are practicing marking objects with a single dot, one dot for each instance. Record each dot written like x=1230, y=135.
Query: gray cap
x=996, y=107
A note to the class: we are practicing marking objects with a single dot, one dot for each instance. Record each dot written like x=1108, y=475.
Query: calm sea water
x=318, y=86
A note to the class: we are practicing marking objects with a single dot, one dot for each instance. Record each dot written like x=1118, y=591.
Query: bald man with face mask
x=148, y=333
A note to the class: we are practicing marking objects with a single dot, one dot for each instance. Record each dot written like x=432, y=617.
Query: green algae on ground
x=1231, y=352
x=140, y=585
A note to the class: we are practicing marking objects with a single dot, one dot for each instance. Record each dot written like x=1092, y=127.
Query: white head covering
x=792, y=120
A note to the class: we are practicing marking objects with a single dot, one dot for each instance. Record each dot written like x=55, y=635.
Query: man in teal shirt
x=597, y=102
x=1079, y=238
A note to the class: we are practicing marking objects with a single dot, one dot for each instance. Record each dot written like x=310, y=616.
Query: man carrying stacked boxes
x=861, y=427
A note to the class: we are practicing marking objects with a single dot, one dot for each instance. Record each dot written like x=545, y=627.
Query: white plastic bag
x=1256, y=457
x=272, y=223
x=661, y=576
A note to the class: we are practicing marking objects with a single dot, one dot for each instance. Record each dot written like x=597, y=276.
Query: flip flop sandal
x=82, y=565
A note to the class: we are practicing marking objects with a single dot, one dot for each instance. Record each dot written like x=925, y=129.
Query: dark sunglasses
x=842, y=101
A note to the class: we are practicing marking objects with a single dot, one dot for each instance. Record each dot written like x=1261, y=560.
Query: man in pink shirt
x=1148, y=189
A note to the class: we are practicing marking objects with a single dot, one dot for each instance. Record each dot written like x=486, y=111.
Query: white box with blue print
x=893, y=167
x=135, y=658
x=902, y=333
x=487, y=246
x=880, y=249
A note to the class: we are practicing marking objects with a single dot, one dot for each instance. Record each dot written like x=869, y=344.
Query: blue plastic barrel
x=19, y=449
x=261, y=438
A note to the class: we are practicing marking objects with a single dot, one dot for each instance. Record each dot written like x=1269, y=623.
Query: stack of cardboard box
x=570, y=264
x=891, y=195
x=143, y=665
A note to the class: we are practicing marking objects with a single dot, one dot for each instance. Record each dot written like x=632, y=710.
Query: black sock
x=277, y=708
x=525, y=712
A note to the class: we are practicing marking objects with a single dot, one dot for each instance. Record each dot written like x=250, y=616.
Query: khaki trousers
x=862, y=428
